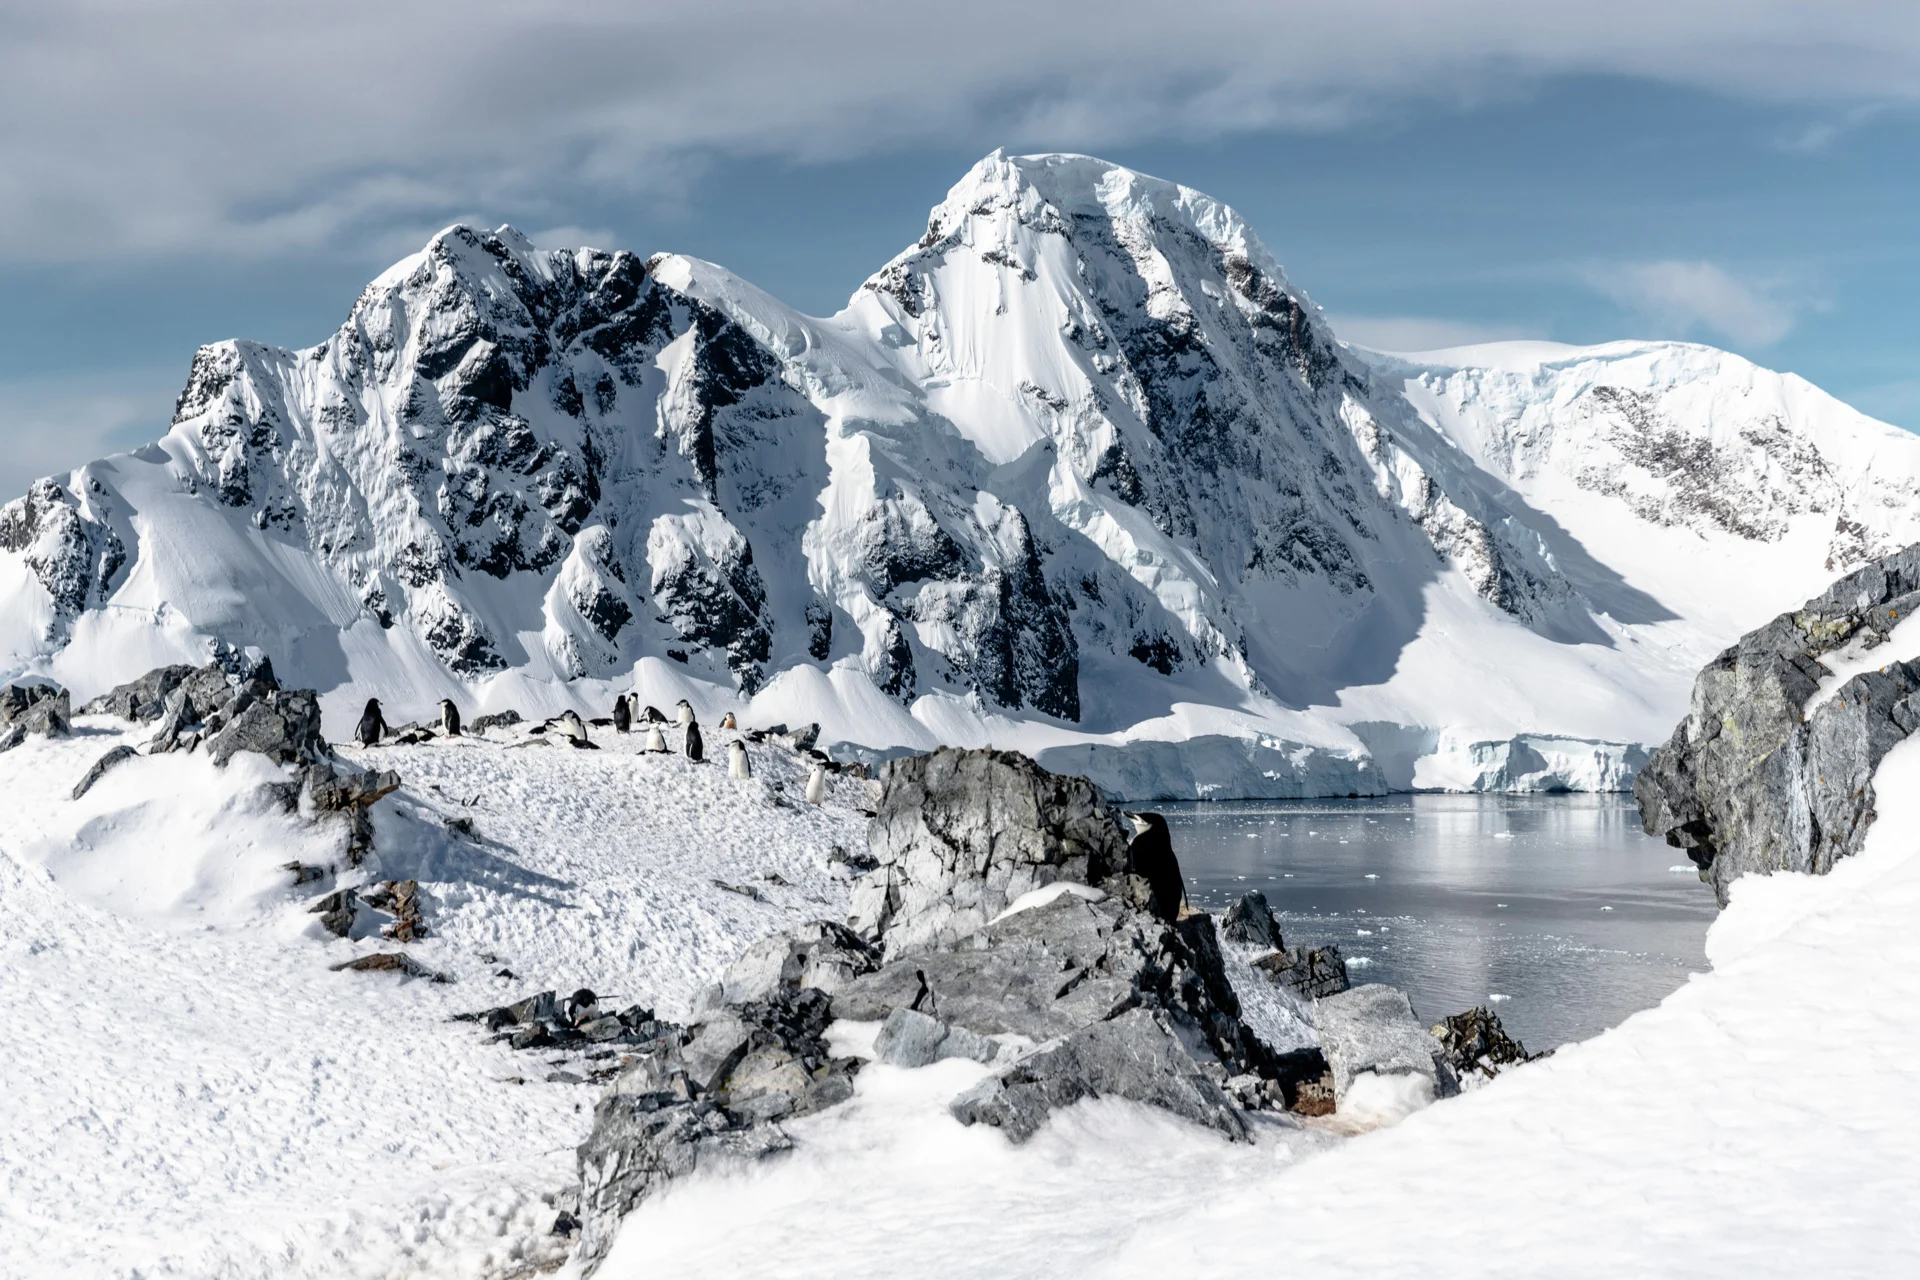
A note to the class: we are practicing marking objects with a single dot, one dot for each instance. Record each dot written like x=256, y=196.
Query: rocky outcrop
x=959, y=835
x=1249, y=922
x=1308, y=972
x=1764, y=775
x=32, y=708
x=1372, y=1029
x=1477, y=1047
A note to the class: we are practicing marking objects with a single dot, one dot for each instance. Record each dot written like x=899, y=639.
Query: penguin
x=653, y=715
x=449, y=718
x=685, y=712
x=696, y=750
x=576, y=730
x=737, y=764
x=1150, y=857
x=656, y=740
x=371, y=727
x=622, y=718
x=581, y=1006
x=817, y=784
x=727, y=721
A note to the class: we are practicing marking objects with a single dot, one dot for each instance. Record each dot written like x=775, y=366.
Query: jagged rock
x=282, y=725
x=1372, y=1028
x=140, y=700
x=306, y=873
x=911, y=1039
x=1136, y=1055
x=336, y=912
x=495, y=720
x=390, y=962
x=640, y=1142
x=1749, y=781
x=402, y=898
x=45, y=709
x=960, y=834
x=719, y=1095
x=822, y=955
x=1475, y=1043
x=336, y=792
x=1309, y=972
x=115, y=756
x=1250, y=923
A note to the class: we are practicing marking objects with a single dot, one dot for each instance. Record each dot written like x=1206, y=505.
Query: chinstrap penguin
x=372, y=727
x=728, y=722
x=1151, y=857
x=622, y=718
x=683, y=710
x=817, y=784
x=656, y=740
x=449, y=718
x=737, y=763
x=653, y=715
x=695, y=749
x=570, y=723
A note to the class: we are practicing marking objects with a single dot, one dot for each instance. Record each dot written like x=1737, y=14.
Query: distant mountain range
x=1078, y=472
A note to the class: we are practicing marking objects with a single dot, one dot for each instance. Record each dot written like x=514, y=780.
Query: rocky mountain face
x=1772, y=770
x=1079, y=455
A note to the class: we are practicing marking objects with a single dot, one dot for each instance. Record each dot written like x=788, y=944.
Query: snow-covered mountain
x=1079, y=472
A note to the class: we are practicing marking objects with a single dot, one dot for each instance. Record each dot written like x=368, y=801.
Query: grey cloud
x=216, y=126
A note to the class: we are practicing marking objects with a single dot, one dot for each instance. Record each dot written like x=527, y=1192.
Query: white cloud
x=228, y=126
x=1417, y=333
x=53, y=424
x=1685, y=297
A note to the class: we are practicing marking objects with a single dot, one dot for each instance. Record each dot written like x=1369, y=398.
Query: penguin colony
x=628, y=715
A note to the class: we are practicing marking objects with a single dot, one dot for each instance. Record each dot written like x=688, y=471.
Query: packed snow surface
x=189, y=1092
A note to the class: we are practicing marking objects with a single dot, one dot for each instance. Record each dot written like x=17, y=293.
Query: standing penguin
x=656, y=740
x=622, y=718
x=728, y=722
x=1150, y=857
x=817, y=784
x=696, y=750
x=449, y=718
x=737, y=764
x=685, y=712
x=372, y=727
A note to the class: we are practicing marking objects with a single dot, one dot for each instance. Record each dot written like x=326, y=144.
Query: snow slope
x=189, y=1092
x=1079, y=472
x=1759, y=1122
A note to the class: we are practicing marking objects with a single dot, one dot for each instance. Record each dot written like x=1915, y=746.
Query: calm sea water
x=1556, y=909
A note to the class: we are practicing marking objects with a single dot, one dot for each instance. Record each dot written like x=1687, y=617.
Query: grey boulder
x=912, y=1039
x=1372, y=1028
x=959, y=835
x=1137, y=1056
x=1250, y=923
x=29, y=708
x=821, y=954
x=1309, y=972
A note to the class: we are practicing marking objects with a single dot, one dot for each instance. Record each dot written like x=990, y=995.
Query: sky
x=174, y=172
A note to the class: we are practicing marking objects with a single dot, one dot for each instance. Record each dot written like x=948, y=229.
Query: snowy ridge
x=1080, y=472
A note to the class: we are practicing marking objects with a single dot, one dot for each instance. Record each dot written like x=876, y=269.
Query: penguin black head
x=446, y=702
x=1144, y=822
x=373, y=705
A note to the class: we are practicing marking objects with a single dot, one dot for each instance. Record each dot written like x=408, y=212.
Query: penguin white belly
x=737, y=765
x=817, y=784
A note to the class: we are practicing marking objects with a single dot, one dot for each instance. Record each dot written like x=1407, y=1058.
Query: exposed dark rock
x=821, y=955
x=1750, y=781
x=495, y=720
x=1250, y=923
x=390, y=962
x=1372, y=1028
x=45, y=709
x=718, y=1096
x=1136, y=1055
x=402, y=899
x=1475, y=1043
x=960, y=834
x=140, y=700
x=336, y=912
x=306, y=873
x=1308, y=972
x=115, y=756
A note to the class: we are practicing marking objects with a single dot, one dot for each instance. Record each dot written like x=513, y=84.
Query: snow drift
x=1080, y=472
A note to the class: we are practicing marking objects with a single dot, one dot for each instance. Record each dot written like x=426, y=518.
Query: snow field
x=187, y=1091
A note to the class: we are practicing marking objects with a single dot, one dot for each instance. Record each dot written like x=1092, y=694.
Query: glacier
x=1080, y=472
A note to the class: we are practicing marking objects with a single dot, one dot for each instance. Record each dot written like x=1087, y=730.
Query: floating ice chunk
x=1606, y=908
x=1370, y=875
x=1495, y=997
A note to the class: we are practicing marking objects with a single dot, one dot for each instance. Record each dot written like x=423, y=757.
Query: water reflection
x=1558, y=909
